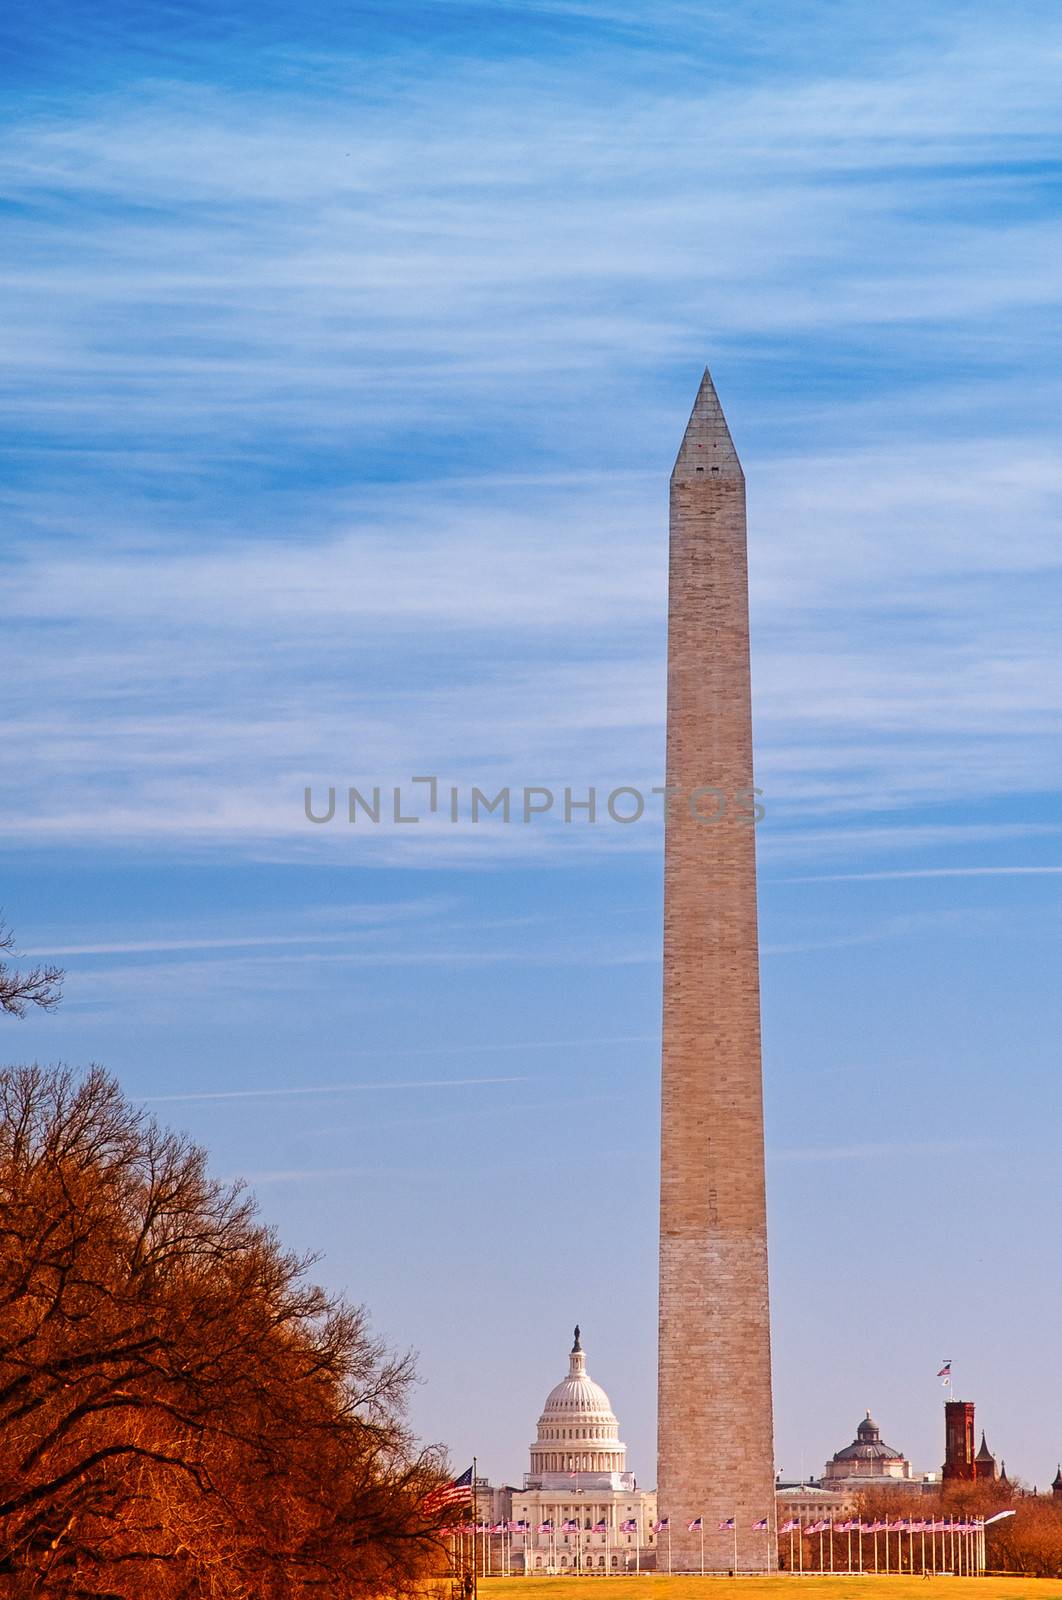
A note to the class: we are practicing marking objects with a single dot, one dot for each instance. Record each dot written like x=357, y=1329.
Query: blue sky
x=348, y=352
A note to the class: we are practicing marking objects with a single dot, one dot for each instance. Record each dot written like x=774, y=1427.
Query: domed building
x=867, y=1462
x=578, y=1432
x=579, y=1483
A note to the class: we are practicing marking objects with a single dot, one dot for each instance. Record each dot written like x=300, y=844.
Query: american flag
x=761, y=1526
x=945, y=1373
x=695, y=1526
x=814, y=1527
x=455, y=1493
x=546, y=1527
x=601, y=1527
x=792, y=1526
x=629, y=1526
x=664, y=1525
x=569, y=1525
x=727, y=1526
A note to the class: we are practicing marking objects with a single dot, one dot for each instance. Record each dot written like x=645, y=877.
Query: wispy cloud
x=366, y=454
x=931, y=872
x=164, y=946
x=881, y=1151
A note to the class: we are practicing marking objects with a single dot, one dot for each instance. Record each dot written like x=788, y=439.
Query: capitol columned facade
x=580, y=1507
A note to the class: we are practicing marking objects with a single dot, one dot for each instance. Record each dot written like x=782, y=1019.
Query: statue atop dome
x=576, y=1346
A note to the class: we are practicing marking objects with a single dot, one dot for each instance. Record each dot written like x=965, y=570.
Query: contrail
x=325, y=1088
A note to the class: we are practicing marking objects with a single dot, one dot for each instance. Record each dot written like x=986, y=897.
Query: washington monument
x=716, y=1458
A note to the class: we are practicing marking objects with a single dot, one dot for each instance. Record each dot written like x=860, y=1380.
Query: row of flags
x=569, y=1525
x=904, y=1525
x=460, y=1491
x=630, y=1525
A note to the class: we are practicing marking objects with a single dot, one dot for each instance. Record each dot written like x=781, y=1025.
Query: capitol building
x=580, y=1505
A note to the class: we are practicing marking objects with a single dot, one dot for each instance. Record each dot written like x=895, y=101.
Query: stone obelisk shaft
x=716, y=1456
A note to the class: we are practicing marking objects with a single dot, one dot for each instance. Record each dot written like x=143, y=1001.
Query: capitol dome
x=578, y=1431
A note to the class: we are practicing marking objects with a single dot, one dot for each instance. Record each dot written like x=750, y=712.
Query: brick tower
x=960, y=1462
x=716, y=1454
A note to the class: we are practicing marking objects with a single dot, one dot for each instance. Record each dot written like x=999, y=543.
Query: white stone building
x=579, y=1476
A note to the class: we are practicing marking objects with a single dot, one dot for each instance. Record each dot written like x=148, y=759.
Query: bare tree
x=39, y=986
x=182, y=1412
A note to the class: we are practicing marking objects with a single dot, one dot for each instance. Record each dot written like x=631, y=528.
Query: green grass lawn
x=812, y=1588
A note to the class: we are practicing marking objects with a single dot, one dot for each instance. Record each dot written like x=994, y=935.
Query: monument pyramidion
x=716, y=1458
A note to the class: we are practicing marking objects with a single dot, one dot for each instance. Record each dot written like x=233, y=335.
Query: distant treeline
x=1029, y=1543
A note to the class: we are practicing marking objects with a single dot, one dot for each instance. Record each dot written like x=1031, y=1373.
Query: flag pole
x=475, y=1521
